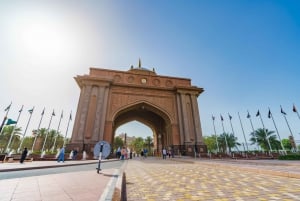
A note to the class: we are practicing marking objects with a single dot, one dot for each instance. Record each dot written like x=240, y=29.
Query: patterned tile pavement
x=156, y=179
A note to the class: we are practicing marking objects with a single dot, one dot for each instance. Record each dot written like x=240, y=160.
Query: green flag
x=10, y=121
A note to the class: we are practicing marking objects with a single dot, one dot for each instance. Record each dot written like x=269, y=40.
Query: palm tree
x=231, y=141
x=149, y=143
x=138, y=144
x=41, y=134
x=265, y=138
x=118, y=142
x=6, y=135
x=210, y=142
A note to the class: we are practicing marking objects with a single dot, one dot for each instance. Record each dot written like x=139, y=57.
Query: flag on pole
x=7, y=108
x=53, y=114
x=258, y=113
x=248, y=115
x=43, y=112
x=31, y=110
x=269, y=114
x=10, y=121
x=221, y=118
x=21, y=109
x=230, y=117
x=213, y=118
x=294, y=108
x=282, y=112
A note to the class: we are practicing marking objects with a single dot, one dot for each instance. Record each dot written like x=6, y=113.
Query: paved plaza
x=212, y=180
x=70, y=186
x=155, y=179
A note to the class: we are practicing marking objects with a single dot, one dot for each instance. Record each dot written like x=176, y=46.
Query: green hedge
x=289, y=157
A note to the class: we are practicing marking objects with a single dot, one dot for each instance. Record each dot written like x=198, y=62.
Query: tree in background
x=118, y=142
x=231, y=141
x=149, y=144
x=287, y=144
x=137, y=144
x=5, y=136
x=261, y=136
x=211, y=144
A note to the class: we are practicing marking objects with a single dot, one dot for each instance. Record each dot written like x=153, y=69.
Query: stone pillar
x=185, y=119
x=90, y=121
x=81, y=114
x=180, y=124
x=196, y=118
x=100, y=114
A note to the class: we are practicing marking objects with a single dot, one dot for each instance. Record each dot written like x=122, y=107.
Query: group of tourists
x=166, y=153
x=122, y=154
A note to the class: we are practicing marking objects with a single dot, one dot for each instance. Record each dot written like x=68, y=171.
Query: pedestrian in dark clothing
x=75, y=152
x=24, y=154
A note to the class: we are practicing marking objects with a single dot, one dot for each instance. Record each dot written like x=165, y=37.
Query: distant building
x=128, y=138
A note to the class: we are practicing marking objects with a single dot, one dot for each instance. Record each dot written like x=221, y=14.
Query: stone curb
x=53, y=166
x=119, y=193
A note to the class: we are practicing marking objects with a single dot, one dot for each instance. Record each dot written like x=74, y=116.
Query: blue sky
x=245, y=54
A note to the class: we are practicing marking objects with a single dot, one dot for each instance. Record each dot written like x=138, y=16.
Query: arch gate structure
x=111, y=98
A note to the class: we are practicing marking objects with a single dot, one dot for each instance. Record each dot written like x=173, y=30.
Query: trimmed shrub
x=289, y=157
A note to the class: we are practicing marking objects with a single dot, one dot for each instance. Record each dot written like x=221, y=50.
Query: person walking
x=164, y=153
x=61, y=156
x=75, y=152
x=169, y=153
x=123, y=153
x=23, y=156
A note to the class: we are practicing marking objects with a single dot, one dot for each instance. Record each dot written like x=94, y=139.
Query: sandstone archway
x=110, y=98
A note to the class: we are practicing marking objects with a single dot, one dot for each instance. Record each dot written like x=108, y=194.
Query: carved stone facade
x=111, y=98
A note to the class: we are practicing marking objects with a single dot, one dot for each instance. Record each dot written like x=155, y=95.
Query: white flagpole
x=61, y=116
x=35, y=137
x=12, y=133
x=230, y=117
x=249, y=117
x=258, y=114
x=213, y=118
x=25, y=130
x=243, y=132
x=47, y=133
x=271, y=115
x=70, y=118
x=224, y=134
x=5, y=117
x=283, y=114
x=295, y=110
